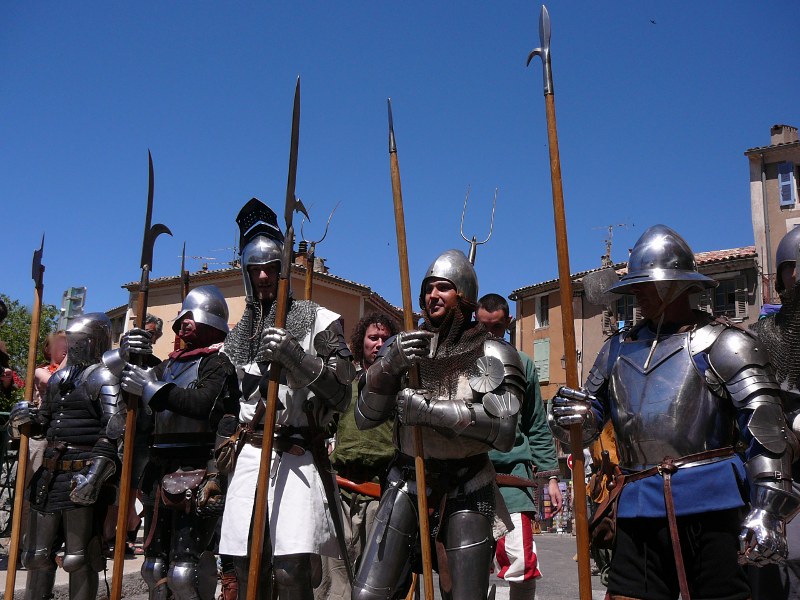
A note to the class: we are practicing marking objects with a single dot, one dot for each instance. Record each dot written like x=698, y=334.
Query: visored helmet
x=661, y=255
x=88, y=337
x=453, y=266
x=207, y=305
x=260, y=239
x=786, y=253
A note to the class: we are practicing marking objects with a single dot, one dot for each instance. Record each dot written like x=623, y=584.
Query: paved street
x=559, y=580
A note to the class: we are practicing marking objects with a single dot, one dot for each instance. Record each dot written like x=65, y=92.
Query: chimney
x=782, y=134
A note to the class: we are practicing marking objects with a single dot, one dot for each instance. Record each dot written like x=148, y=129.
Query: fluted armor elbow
x=374, y=406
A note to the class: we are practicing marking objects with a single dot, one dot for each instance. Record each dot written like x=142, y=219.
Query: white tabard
x=300, y=520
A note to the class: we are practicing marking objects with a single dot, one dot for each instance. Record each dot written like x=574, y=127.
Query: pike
x=413, y=373
x=319, y=449
x=311, y=253
x=473, y=242
x=37, y=273
x=260, y=510
x=568, y=328
x=184, y=292
x=132, y=402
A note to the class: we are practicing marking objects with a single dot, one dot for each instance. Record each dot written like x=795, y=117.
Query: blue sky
x=653, y=120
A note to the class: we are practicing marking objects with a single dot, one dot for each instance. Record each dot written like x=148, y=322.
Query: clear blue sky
x=653, y=121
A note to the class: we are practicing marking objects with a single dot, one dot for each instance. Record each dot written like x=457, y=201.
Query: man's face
x=787, y=275
x=152, y=328
x=374, y=338
x=647, y=298
x=440, y=298
x=495, y=322
x=188, y=327
x=264, y=279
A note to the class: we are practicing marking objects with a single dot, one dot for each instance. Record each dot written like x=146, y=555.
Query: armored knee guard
x=292, y=574
x=40, y=584
x=468, y=542
x=386, y=559
x=154, y=573
x=38, y=545
x=182, y=580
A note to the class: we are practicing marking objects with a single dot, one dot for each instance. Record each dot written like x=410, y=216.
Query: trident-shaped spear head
x=150, y=233
x=544, y=50
x=37, y=268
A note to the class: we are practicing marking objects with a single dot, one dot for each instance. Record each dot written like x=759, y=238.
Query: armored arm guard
x=103, y=386
x=491, y=416
x=742, y=366
x=380, y=384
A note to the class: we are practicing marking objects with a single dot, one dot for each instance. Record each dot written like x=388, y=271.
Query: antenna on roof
x=605, y=260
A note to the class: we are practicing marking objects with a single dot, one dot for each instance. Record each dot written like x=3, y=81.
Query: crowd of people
x=704, y=442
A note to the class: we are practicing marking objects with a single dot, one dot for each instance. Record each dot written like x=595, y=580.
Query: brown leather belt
x=666, y=469
x=66, y=465
x=283, y=445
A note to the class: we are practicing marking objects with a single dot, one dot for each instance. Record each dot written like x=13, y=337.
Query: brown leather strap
x=667, y=468
x=680, y=462
x=154, y=524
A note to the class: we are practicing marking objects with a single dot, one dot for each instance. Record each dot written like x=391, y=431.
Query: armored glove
x=572, y=407
x=416, y=407
x=135, y=341
x=763, y=538
x=281, y=347
x=210, y=497
x=407, y=346
x=86, y=487
x=135, y=378
x=22, y=414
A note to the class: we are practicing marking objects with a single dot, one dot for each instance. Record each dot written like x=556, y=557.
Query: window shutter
x=607, y=317
x=741, y=297
x=786, y=185
x=637, y=314
x=704, y=301
x=541, y=358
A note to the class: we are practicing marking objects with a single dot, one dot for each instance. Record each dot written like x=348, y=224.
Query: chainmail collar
x=780, y=332
x=243, y=343
x=455, y=355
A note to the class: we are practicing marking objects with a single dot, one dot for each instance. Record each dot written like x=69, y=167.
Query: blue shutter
x=541, y=358
x=786, y=185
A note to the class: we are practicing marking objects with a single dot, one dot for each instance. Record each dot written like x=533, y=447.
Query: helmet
x=661, y=255
x=88, y=337
x=453, y=266
x=207, y=305
x=787, y=252
x=260, y=239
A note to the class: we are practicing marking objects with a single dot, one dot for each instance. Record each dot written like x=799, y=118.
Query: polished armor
x=207, y=305
x=472, y=386
x=68, y=492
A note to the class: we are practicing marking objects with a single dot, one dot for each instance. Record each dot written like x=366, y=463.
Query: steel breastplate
x=666, y=409
x=174, y=430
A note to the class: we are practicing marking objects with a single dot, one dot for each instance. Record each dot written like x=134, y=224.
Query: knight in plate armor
x=676, y=387
x=186, y=397
x=472, y=386
x=70, y=492
x=317, y=372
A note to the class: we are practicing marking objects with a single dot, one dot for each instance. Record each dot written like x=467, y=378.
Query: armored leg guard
x=154, y=573
x=82, y=557
x=468, y=542
x=386, y=563
x=293, y=577
x=37, y=554
x=242, y=566
x=182, y=580
x=191, y=535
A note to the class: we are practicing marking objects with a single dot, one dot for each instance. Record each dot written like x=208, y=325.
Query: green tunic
x=534, y=444
x=362, y=455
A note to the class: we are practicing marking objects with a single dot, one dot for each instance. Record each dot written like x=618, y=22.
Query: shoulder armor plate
x=733, y=351
x=513, y=370
x=99, y=377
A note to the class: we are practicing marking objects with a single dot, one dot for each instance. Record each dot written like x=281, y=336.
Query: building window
x=542, y=311
x=728, y=299
x=541, y=359
x=623, y=313
x=787, y=185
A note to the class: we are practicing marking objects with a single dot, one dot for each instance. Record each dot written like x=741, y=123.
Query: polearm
x=568, y=323
x=131, y=401
x=178, y=344
x=311, y=254
x=37, y=272
x=413, y=373
x=261, y=508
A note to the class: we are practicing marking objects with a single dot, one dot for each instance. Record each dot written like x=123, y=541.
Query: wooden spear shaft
x=570, y=355
x=413, y=375
x=22, y=458
x=309, y=283
x=261, y=508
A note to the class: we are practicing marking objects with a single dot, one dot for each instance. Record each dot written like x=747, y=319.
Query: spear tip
x=392, y=142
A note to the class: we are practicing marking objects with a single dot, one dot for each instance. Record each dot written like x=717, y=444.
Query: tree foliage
x=16, y=332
